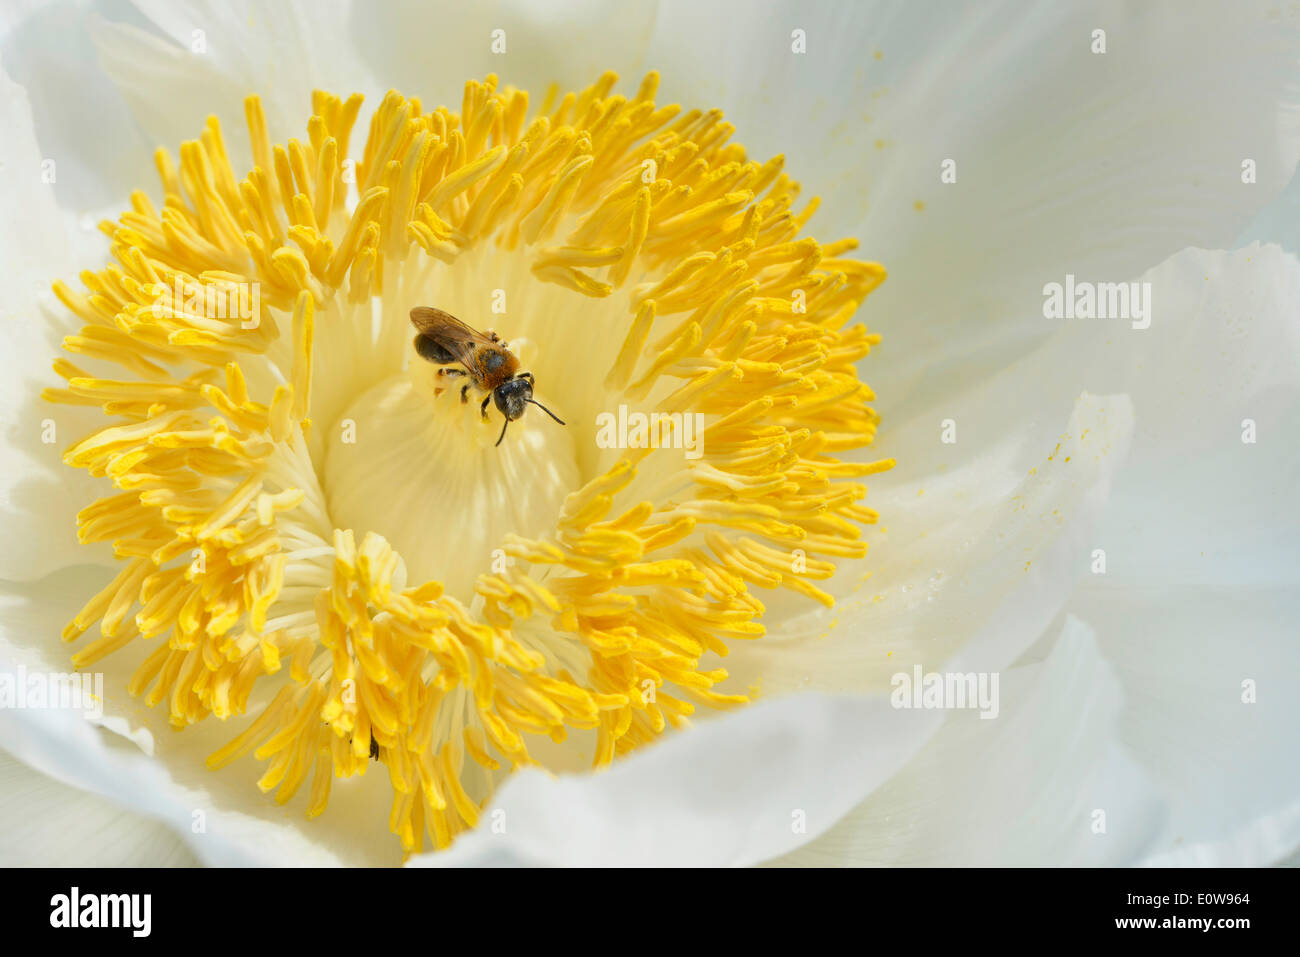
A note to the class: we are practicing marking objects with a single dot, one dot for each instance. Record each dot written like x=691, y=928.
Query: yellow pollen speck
x=919, y=205
x=255, y=608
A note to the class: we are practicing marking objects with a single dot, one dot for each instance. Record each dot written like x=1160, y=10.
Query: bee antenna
x=547, y=411
x=503, y=432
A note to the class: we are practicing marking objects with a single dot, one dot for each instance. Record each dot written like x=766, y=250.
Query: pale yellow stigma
x=239, y=592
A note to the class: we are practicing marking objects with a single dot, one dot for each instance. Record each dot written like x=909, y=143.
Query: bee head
x=511, y=397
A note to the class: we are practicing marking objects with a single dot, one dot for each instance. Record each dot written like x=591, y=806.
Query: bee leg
x=483, y=408
x=441, y=376
x=464, y=394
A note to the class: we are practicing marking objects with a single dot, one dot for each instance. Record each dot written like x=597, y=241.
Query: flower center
x=422, y=470
x=317, y=531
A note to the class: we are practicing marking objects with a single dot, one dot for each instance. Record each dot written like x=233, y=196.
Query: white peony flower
x=327, y=607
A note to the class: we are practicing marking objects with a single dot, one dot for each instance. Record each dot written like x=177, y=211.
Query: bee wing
x=449, y=332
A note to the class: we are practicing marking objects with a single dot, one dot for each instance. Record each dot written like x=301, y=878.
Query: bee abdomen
x=432, y=351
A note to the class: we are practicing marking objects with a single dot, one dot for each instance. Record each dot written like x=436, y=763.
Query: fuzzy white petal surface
x=1201, y=590
x=39, y=495
x=1044, y=782
x=49, y=824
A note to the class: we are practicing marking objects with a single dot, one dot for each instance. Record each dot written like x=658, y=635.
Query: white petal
x=39, y=495
x=1221, y=344
x=67, y=748
x=1226, y=765
x=1198, y=502
x=1221, y=349
x=430, y=49
x=1278, y=222
x=732, y=792
x=48, y=51
x=53, y=825
x=1021, y=789
x=1196, y=518
x=1067, y=161
x=214, y=54
x=1201, y=586
x=26, y=201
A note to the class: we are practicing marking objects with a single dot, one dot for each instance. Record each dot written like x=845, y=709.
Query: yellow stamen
x=598, y=627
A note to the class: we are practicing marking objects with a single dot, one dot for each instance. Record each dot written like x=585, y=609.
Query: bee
x=490, y=366
x=374, y=745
